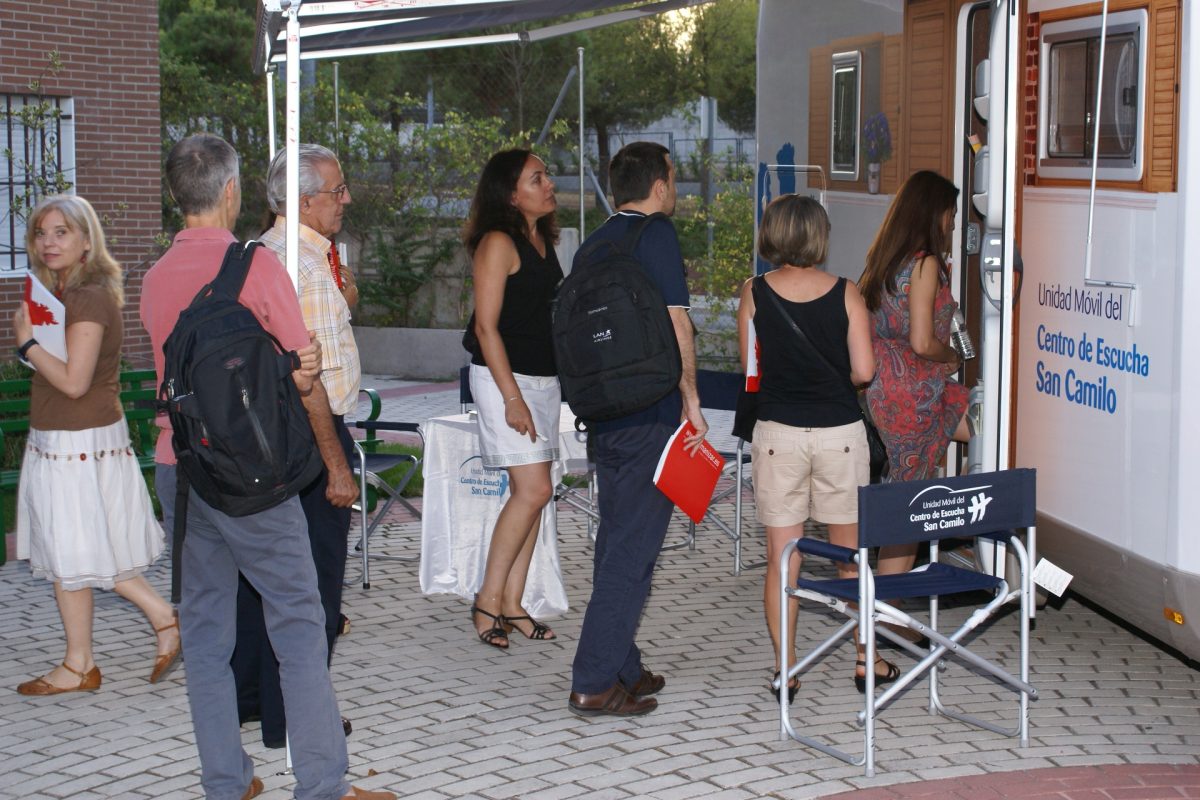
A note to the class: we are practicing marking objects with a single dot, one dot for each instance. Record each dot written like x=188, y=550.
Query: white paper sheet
x=48, y=316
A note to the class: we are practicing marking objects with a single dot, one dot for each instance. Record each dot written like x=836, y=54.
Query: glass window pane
x=845, y=116
x=1119, y=97
x=1068, y=99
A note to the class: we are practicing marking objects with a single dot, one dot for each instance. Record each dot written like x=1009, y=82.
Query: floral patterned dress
x=914, y=404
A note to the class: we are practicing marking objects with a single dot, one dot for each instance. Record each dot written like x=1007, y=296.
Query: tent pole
x=582, y=152
x=292, y=139
x=271, y=112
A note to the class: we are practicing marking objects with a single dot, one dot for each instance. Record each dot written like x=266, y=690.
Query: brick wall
x=109, y=52
x=1029, y=116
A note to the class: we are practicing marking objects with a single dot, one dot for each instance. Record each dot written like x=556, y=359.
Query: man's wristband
x=23, y=350
x=510, y=399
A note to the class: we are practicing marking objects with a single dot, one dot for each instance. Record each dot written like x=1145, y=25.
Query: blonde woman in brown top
x=84, y=518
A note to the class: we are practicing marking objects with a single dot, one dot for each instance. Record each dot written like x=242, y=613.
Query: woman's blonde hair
x=98, y=268
x=794, y=230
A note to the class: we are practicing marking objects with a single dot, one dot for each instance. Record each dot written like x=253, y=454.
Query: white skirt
x=499, y=444
x=84, y=517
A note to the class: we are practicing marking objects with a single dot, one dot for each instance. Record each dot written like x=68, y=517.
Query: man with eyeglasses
x=323, y=200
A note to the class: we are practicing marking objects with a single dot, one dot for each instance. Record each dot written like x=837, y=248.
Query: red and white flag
x=752, y=354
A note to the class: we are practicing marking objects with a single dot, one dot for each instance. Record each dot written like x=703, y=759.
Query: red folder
x=688, y=480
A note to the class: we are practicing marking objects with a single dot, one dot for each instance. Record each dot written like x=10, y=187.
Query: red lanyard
x=335, y=266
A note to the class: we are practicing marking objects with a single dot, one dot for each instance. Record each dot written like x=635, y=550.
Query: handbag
x=745, y=414
x=877, y=450
x=470, y=341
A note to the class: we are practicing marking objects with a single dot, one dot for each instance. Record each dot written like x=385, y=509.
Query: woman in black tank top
x=809, y=450
x=511, y=235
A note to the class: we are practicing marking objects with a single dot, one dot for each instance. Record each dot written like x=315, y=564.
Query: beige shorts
x=808, y=473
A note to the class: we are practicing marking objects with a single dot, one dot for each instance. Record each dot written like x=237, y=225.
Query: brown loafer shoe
x=616, y=702
x=647, y=684
x=40, y=687
x=366, y=794
x=254, y=789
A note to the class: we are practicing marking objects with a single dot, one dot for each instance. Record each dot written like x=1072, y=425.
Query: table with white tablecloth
x=462, y=502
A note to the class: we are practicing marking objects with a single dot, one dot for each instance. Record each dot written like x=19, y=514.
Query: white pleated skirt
x=499, y=444
x=84, y=517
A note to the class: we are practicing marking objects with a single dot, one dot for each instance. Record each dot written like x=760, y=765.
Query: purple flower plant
x=877, y=138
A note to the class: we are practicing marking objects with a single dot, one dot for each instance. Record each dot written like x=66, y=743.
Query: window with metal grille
x=37, y=158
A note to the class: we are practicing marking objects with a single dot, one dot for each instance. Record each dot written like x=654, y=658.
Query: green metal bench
x=137, y=387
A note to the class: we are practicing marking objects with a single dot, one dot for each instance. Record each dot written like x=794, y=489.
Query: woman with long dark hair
x=84, y=518
x=510, y=236
x=906, y=285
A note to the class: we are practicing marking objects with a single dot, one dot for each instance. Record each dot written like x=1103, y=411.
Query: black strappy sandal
x=792, y=689
x=860, y=681
x=489, y=635
x=539, y=630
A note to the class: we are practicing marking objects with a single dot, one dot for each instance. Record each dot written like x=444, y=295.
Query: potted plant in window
x=877, y=142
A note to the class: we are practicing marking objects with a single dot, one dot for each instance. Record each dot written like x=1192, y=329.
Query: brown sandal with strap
x=40, y=687
x=166, y=662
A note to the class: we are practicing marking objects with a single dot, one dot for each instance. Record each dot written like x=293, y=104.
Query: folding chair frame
x=387, y=494
x=719, y=390
x=741, y=482
x=871, y=611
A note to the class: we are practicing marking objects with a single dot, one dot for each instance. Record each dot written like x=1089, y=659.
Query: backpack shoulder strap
x=234, y=269
x=634, y=234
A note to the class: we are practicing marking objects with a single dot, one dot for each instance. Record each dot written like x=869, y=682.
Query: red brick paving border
x=1115, y=782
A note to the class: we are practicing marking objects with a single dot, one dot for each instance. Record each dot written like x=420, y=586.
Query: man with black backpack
x=269, y=546
x=608, y=676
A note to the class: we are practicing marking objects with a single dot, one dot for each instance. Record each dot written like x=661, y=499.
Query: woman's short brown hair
x=794, y=230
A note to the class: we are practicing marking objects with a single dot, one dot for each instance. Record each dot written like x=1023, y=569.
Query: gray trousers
x=271, y=549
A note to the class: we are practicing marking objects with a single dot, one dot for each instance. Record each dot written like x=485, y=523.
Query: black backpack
x=240, y=432
x=614, y=342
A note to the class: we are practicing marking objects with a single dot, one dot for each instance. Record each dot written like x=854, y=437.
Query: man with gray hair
x=270, y=548
x=323, y=199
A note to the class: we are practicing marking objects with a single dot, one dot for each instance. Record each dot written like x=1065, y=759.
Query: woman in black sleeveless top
x=809, y=451
x=511, y=236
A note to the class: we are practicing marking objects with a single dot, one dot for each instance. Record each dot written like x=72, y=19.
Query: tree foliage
x=720, y=58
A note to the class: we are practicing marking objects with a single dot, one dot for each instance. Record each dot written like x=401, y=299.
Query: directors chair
x=990, y=505
x=375, y=492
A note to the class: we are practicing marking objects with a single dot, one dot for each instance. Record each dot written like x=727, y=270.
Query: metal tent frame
x=289, y=31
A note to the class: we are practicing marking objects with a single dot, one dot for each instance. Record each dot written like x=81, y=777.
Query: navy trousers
x=255, y=667
x=634, y=516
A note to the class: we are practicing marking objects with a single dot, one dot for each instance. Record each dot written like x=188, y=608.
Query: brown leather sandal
x=167, y=661
x=40, y=687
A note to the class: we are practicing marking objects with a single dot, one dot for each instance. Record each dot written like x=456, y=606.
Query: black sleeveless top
x=525, y=314
x=796, y=388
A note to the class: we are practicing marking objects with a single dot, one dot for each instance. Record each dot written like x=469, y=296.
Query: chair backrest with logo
x=960, y=507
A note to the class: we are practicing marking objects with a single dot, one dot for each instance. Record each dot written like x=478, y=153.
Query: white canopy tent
x=293, y=30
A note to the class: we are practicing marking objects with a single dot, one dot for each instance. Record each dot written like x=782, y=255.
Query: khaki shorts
x=808, y=473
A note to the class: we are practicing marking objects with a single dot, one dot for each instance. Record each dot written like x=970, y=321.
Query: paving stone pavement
x=438, y=715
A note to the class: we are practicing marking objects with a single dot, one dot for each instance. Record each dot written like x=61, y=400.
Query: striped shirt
x=325, y=312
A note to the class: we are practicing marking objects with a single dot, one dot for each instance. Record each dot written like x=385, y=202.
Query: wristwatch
x=23, y=350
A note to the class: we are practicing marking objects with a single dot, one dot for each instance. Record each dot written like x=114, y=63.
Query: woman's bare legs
x=512, y=543
x=158, y=611
x=75, y=609
x=847, y=536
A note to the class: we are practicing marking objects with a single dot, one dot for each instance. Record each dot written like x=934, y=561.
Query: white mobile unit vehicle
x=1073, y=147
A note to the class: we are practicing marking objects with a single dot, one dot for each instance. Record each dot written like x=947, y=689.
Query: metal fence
x=38, y=156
